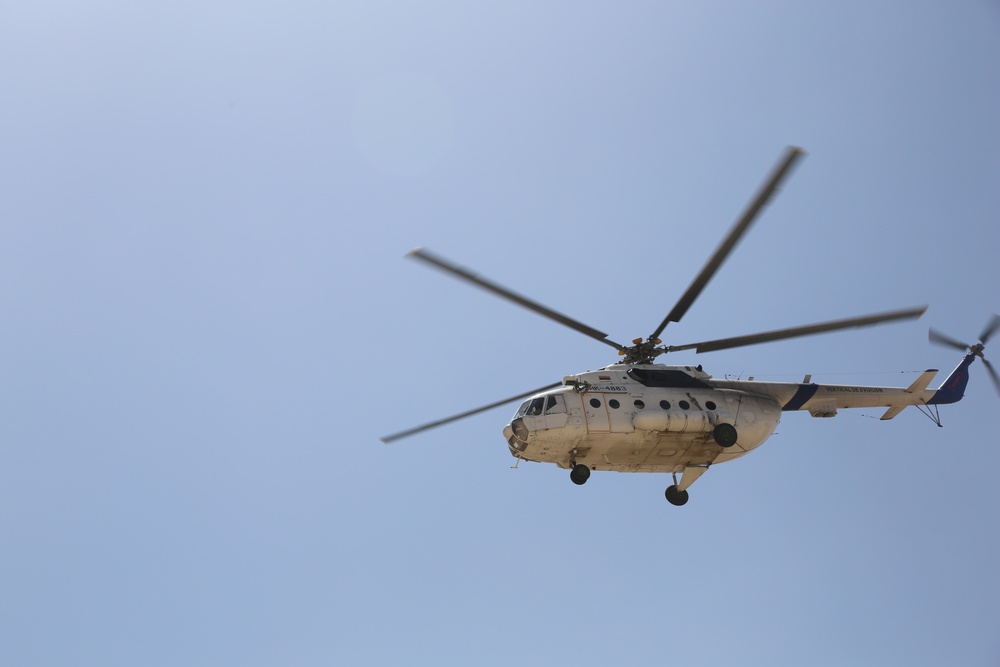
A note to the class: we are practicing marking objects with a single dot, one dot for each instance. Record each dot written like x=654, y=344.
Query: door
x=595, y=407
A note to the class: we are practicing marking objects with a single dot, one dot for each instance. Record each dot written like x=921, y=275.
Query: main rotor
x=646, y=350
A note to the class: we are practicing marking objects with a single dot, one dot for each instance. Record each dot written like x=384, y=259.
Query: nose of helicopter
x=516, y=435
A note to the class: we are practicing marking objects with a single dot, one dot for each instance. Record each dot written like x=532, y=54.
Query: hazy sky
x=209, y=321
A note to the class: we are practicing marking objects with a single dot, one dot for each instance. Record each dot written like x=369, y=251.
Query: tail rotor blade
x=936, y=336
x=990, y=329
x=993, y=374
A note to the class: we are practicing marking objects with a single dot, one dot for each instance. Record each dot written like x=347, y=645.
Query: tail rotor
x=977, y=349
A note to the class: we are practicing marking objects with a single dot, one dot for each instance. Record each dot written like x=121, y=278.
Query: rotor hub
x=642, y=351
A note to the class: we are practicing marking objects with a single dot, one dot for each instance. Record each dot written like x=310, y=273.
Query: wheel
x=675, y=497
x=580, y=474
x=725, y=435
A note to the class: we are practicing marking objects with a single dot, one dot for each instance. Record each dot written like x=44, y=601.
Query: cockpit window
x=535, y=406
x=555, y=405
x=549, y=405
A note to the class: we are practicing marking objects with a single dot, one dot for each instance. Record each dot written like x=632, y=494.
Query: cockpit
x=536, y=414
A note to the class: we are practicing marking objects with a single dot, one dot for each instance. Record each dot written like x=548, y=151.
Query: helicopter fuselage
x=619, y=419
x=657, y=418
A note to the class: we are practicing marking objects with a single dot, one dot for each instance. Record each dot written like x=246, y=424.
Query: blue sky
x=209, y=321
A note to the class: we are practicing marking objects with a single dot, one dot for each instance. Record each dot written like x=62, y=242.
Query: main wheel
x=725, y=435
x=675, y=497
x=579, y=474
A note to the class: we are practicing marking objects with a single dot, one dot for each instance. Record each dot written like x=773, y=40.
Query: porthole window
x=665, y=405
x=684, y=405
x=639, y=404
x=710, y=405
x=595, y=403
x=614, y=404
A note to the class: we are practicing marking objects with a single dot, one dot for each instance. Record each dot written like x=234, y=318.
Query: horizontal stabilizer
x=919, y=384
x=892, y=412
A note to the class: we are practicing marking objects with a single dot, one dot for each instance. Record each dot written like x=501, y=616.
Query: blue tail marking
x=953, y=389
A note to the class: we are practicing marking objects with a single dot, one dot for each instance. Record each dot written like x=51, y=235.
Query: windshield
x=531, y=408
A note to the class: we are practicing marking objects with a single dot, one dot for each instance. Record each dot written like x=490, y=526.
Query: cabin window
x=639, y=404
x=594, y=403
x=615, y=404
x=665, y=405
x=521, y=411
x=710, y=405
x=684, y=405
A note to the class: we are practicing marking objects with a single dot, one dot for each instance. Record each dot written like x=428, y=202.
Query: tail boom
x=823, y=400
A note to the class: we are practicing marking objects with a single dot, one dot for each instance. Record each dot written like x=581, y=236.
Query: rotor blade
x=936, y=336
x=426, y=256
x=990, y=329
x=447, y=420
x=741, y=226
x=993, y=373
x=754, y=339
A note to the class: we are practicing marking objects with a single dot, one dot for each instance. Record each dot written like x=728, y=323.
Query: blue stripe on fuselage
x=802, y=394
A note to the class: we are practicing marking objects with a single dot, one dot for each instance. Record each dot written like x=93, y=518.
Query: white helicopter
x=640, y=416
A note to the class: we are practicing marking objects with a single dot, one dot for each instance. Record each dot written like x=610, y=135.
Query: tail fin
x=953, y=389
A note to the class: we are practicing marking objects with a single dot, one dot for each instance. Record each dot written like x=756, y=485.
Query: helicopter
x=637, y=415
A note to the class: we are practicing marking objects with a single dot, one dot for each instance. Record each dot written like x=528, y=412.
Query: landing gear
x=725, y=435
x=579, y=474
x=675, y=496
x=677, y=493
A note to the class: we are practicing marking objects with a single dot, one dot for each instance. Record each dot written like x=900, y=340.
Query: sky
x=209, y=320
